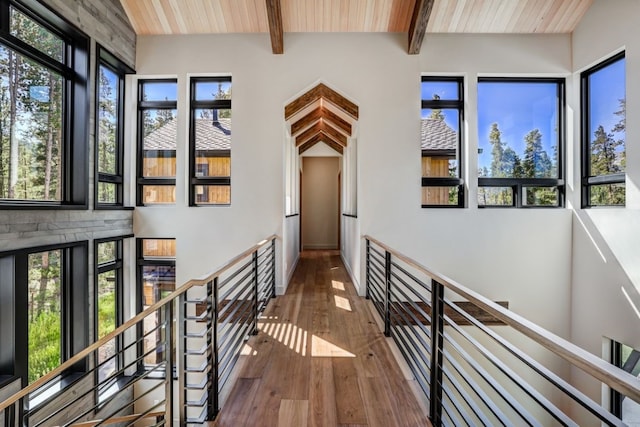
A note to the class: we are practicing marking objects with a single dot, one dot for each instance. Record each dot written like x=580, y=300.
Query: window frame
x=104, y=58
x=518, y=185
x=449, y=105
x=141, y=107
x=615, y=397
x=14, y=329
x=194, y=105
x=141, y=262
x=74, y=69
x=587, y=181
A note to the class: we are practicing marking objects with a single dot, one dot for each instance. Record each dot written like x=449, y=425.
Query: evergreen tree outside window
x=210, y=141
x=43, y=87
x=157, y=141
x=441, y=141
x=603, y=133
x=109, y=129
x=520, y=142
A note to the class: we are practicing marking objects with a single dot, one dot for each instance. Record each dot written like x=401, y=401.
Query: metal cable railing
x=194, y=351
x=474, y=373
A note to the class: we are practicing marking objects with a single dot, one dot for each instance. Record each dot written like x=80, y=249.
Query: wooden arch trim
x=326, y=129
x=321, y=91
x=321, y=137
x=326, y=116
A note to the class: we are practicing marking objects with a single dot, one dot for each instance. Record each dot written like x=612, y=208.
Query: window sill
x=120, y=384
x=51, y=391
x=6, y=380
x=113, y=208
x=7, y=205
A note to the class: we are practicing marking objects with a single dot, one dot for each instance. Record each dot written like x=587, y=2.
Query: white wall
x=606, y=269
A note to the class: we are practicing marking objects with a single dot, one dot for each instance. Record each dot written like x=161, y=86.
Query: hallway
x=320, y=360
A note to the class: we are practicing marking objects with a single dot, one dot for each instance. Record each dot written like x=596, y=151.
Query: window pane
x=208, y=90
x=213, y=138
x=30, y=145
x=107, y=121
x=107, y=319
x=518, y=129
x=495, y=196
x=159, y=91
x=540, y=196
x=45, y=313
x=107, y=193
x=29, y=31
x=440, y=196
x=213, y=194
x=157, y=282
x=439, y=90
x=607, y=119
x=159, y=248
x=607, y=195
x=158, y=194
x=439, y=142
x=107, y=252
x=630, y=363
x=160, y=135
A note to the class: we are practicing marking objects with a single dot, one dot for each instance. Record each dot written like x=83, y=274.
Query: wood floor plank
x=293, y=413
x=320, y=359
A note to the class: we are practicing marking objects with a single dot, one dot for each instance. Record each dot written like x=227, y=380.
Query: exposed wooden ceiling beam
x=321, y=137
x=339, y=122
x=307, y=120
x=321, y=127
x=418, y=27
x=274, y=15
x=334, y=133
x=309, y=133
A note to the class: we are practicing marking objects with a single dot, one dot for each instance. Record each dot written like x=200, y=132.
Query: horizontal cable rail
x=191, y=339
x=474, y=374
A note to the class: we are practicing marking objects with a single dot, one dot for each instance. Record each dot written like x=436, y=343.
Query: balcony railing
x=494, y=369
x=187, y=343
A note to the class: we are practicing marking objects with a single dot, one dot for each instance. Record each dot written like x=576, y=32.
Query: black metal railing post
x=182, y=350
x=215, y=371
x=169, y=343
x=368, y=268
x=437, y=342
x=387, y=293
x=256, y=285
x=273, y=268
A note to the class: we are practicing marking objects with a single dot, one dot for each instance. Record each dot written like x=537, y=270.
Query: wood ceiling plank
x=331, y=143
x=321, y=137
x=418, y=27
x=304, y=147
x=337, y=121
x=400, y=15
x=309, y=133
x=274, y=16
x=339, y=101
x=302, y=101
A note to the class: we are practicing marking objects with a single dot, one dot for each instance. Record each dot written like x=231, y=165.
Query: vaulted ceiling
x=415, y=17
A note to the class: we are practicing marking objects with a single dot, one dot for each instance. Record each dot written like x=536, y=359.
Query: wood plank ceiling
x=413, y=16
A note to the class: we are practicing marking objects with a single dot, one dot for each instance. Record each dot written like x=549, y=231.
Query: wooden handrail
x=598, y=368
x=129, y=323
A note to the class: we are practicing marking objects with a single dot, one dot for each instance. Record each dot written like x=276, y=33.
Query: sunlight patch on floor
x=337, y=285
x=297, y=339
x=342, y=303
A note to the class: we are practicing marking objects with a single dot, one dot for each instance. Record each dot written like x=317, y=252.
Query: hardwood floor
x=320, y=360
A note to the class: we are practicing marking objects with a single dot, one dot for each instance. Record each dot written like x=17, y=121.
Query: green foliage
x=44, y=344
x=106, y=314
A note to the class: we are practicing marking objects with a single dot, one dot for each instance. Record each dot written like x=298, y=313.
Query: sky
x=607, y=88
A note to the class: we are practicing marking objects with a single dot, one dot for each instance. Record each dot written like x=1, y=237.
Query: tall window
x=43, y=114
x=157, y=141
x=628, y=359
x=44, y=315
x=156, y=279
x=603, y=133
x=442, y=114
x=521, y=142
x=109, y=304
x=109, y=129
x=210, y=141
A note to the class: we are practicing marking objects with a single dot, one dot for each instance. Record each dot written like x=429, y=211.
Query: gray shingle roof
x=208, y=135
x=437, y=135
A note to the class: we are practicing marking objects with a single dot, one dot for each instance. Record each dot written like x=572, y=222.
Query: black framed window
x=44, y=316
x=109, y=294
x=627, y=359
x=109, y=151
x=603, y=133
x=157, y=141
x=156, y=278
x=521, y=138
x=210, y=141
x=441, y=141
x=44, y=82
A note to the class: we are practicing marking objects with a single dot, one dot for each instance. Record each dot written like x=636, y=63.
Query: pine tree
x=497, y=151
